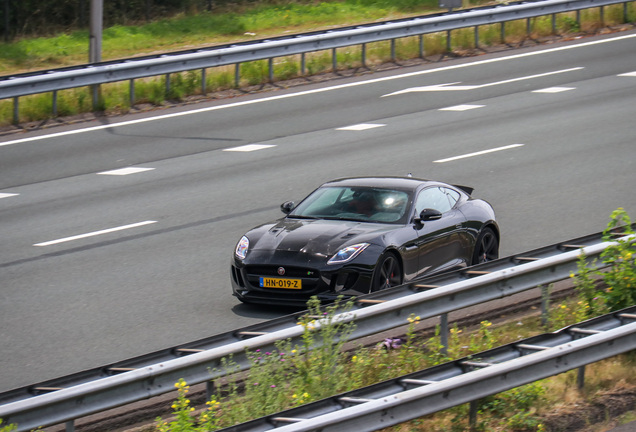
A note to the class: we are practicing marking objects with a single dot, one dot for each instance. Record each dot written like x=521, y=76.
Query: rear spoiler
x=466, y=189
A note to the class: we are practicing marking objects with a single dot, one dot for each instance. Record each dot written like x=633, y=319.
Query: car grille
x=292, y=272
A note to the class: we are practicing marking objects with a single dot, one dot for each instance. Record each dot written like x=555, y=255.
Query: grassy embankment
x=239, y=24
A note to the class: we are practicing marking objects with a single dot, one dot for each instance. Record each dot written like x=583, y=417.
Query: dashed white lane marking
x=7, y=195
x=479, y=153
x=461, y=107
x=95, y=233
x=249, y=148
x=361, y=127
x=553, y=90
x=628, y=74
x=125, y=171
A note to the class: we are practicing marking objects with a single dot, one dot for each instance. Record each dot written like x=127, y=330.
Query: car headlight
x=347, y=254
x=241, y=248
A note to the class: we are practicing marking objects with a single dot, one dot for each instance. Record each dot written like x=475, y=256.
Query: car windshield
x=354, y=203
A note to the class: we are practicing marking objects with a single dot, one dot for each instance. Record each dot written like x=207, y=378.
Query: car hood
x=315, y=236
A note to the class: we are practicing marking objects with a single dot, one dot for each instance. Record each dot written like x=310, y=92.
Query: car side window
x=453, y=196
x=437, y=198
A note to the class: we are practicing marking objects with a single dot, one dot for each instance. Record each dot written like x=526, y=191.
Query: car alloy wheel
x=487, y=247
x=387, y=273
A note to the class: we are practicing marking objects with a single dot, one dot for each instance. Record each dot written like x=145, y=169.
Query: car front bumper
x=326, y=282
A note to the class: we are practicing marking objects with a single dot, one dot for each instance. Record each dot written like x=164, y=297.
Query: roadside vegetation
x=297, y=374
x=247, y=21
x=293, y=375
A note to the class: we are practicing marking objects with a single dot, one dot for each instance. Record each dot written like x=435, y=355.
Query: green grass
x=203, y=29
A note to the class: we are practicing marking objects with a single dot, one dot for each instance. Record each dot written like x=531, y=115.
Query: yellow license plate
x=283, y=283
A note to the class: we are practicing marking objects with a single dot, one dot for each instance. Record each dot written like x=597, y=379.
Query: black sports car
x=357, y=235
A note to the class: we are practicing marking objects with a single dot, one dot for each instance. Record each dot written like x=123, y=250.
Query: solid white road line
x=7, y=195
x=478, y=153
x=95, y=233
x=320, y=90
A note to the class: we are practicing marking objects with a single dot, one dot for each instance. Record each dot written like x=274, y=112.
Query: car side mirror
x=428, y=214
x=287, y=207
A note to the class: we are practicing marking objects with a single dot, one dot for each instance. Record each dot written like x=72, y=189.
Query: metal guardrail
x=135, y=68
x=454, y=383
x=90, y=392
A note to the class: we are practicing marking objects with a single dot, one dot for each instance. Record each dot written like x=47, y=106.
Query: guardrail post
x=303, y=64
x=528, y=27
x=210, y=390
x=70, y=426
x=54, y=102
x=334, y=60
x=448, y=41
x=503, y=32
x=580, y=377
x=16, y=111
x=553, y=23
x=421, y=46
x=625, y=12
x=95, y=96
x=602, y=16
x=363, y=55
x=167, y=85
x=476, y=36
x=131, y=92
x=443, y=333
x=472, y=415
x=270, y=66
x=546, y=291
x=237, y=75
x=203, y=83
x=393, y=56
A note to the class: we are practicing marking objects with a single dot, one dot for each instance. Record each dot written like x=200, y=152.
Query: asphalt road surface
x=117, y=234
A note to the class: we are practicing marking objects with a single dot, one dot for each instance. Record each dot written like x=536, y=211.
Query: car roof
x=405, y=183
x=391, y=182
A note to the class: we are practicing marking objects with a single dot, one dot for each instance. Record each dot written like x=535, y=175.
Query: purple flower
x=390, y=343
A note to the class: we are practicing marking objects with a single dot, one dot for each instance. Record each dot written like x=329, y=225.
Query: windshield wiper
x=352, y=219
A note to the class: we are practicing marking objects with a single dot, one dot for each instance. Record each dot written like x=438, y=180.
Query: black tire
x=387, y=273
x=486, y=247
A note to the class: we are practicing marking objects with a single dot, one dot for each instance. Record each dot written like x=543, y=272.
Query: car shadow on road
x=265, y=312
